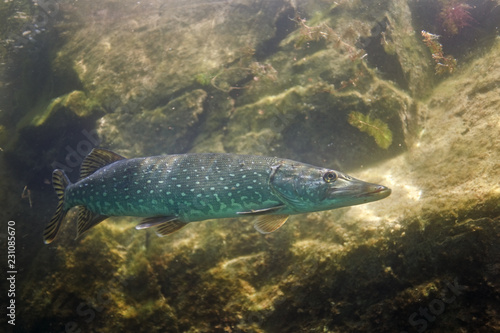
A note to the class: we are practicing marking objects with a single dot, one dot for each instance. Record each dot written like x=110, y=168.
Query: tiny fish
x=172, y=190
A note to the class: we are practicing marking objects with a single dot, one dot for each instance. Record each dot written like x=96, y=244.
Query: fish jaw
x=355, y=192
x=348, y=191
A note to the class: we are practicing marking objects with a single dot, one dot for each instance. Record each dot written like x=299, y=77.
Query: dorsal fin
x=97, y=159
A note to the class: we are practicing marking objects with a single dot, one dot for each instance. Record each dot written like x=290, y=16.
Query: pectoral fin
x=261, y=211
x=268, y=223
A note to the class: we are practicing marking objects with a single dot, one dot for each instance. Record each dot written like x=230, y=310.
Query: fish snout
x=375, y=190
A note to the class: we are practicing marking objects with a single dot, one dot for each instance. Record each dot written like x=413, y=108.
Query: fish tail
x=60, y=182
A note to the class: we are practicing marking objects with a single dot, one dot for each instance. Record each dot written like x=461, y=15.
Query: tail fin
x=60, y=181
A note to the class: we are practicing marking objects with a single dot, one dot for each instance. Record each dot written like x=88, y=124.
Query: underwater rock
x=395, y=49
x=271, y=57
x=316, y=78
x=75, y=102
x=431, y=246
x=311, y=123
x=26, y=153
x=143, y=52
x=166, y=129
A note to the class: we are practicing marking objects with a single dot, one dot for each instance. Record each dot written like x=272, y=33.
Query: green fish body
x=172, y=190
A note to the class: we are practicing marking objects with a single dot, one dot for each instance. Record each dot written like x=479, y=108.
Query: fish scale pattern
x=191, y=186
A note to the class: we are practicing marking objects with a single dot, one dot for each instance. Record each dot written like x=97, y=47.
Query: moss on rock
x=365, y=268
x=75, y=102
x=169, y=128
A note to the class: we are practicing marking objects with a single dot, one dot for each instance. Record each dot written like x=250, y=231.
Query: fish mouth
x=356, y=192
x=378, y=190
x=382, y=189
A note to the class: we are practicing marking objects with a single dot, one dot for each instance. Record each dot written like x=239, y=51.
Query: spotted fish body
x=191, y=186
x=173, y=190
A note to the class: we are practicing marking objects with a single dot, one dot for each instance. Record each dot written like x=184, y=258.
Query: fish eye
x=330, y=176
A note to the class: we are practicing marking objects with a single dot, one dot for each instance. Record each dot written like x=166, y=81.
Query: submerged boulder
x=252, y=77
x=159, y=130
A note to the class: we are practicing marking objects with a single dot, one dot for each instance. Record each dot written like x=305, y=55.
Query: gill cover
x=300, y=186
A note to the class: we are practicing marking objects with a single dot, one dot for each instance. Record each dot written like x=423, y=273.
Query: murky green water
x=399, y=93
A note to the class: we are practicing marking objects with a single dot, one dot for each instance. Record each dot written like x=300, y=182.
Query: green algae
x=364, y=268
x=76, y=102
x=374, y=127
x=204, y=79
x=175, y=122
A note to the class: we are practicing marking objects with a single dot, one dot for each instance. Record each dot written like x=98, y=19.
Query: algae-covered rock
x=425, y=258
x=318, y=115
x=308, y=62
x=40, y=143
x=169, y=128
x=155, y=50
x=431, y=245
x=75, y=102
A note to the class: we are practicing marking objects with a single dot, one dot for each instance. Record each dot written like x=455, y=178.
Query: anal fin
x=266, y=224
x=87, y=219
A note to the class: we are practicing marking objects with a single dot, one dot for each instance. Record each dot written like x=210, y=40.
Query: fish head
x=306, y=188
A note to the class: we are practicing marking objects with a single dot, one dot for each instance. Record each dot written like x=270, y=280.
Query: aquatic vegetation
x=325, y=32
x=352, y=81
x=454, y=16
x=386, y=261
x=376, y=128
x=388, y=45
x=264, y=71
x=444, y=64
x=76, y=101
x=221, y=81
x=203, y=78
x=312, y=33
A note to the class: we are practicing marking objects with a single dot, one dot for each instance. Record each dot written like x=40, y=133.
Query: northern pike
x=172, y=190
